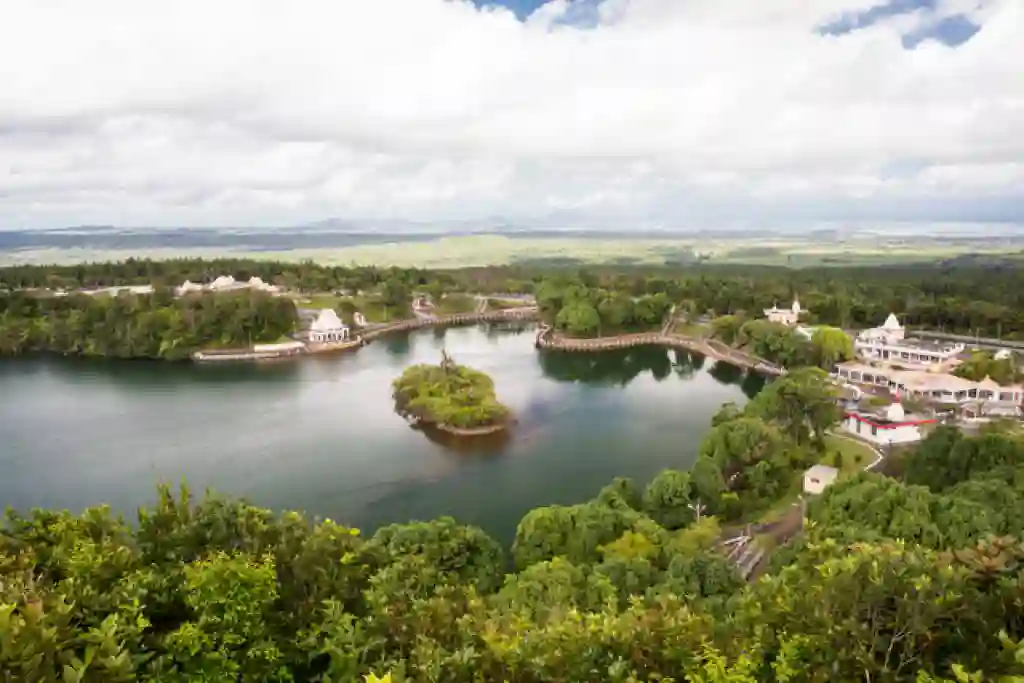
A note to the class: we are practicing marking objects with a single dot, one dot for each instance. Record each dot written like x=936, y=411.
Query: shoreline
x=485, y=430
x=365, y=337
x=472, y=431
x=548, y=339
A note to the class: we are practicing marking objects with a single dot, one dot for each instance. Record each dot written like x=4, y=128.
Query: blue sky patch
x=522, y=8
x=954, y=30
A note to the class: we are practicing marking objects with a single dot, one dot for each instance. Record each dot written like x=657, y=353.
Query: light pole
x=697, y=507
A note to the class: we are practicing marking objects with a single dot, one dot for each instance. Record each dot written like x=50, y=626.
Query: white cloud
x=260, y=111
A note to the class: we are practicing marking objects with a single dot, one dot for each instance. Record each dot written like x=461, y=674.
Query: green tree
x=579, y=319
x=803, y=404
x=830, y=345
x=708, y=484
x=667, y=499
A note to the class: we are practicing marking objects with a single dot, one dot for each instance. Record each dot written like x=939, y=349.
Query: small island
x=450, y=397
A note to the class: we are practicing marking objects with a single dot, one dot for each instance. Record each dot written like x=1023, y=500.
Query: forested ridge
x=974, y=299
x=919, y=579
x=156, y=325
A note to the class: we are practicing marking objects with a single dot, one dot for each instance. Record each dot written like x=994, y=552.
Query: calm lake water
x=320, y=435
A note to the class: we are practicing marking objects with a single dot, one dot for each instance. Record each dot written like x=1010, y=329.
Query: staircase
x=744, y=553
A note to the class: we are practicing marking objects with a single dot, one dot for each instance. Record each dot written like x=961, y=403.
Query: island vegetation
x=451, y=397
x=914, y=580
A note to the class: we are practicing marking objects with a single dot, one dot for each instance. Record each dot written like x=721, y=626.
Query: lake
x=321, y=434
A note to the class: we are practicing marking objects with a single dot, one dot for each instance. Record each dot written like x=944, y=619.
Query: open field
x=484, y=250
x=854, y=455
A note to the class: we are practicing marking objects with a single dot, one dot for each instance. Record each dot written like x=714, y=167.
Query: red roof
x=890, y=425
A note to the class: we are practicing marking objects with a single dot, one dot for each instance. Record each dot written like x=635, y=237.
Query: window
x=874, y=430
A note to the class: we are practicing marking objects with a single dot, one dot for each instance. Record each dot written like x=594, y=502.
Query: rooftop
x=921, y=344
x=922, y=380
x=822, y=472
x=889, y=416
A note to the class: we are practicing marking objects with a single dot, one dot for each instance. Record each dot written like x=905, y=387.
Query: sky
x=680, y=113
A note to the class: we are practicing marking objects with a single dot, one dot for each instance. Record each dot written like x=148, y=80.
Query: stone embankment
x=258, y=352
x=548, y=339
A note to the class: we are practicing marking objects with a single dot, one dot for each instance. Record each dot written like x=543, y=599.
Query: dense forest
x=918, y=580
x=158, y=325
x=969, y=298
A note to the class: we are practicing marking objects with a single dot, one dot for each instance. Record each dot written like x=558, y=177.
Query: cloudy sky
x=263, y=112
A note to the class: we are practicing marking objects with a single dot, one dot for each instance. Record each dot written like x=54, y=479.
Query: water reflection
x=726, y=373
x=321, y=435
x=621, y=366
x=397, y=344
x=752, y=384
x=687, y=364
x=139, y=374
x=485, y=445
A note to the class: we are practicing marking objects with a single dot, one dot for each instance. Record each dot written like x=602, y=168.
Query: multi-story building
x=939, y=387
x=888, y=344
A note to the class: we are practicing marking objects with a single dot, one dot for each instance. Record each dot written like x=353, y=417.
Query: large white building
x=226, y=283
x=328, y=328
x=888, y=344
x=935, y=386
x=785, y=316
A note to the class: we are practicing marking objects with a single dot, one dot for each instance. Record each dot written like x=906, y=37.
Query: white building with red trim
x=891, y=426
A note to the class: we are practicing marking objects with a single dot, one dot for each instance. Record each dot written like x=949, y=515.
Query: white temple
x=890, y=331
x=227, y=283
x=888, y=344
x=328, y=328
x=785, y=316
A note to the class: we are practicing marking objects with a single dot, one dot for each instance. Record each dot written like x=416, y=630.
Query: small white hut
x=818, y=478
x=327, y=328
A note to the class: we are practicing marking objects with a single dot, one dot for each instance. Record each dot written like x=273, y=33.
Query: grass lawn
x=346, y=306
x=502, y=304
x=455, y=303
x=377, y=312
x=695, y=330
x=853, y=455
x=318, y=301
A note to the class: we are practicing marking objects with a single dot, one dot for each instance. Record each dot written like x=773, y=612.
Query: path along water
x=320, y=434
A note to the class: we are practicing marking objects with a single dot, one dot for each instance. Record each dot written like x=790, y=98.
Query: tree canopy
x=158, y=325
x=449, y=395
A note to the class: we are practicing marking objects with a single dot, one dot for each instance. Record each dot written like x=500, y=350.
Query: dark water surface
x=320, y=435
